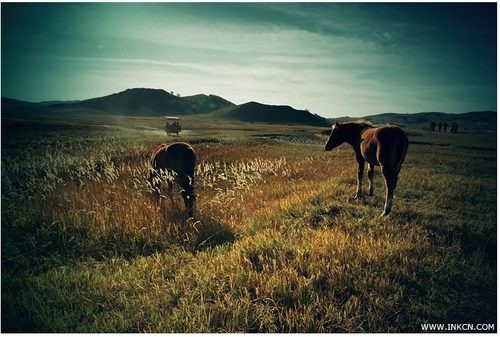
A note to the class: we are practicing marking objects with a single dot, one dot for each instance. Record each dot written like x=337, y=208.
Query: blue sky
x=334, y=59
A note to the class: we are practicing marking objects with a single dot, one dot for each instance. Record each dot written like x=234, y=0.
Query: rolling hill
x=275, y=114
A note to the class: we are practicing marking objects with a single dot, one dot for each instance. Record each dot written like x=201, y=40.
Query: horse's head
x=337, y=137
x=189, y=201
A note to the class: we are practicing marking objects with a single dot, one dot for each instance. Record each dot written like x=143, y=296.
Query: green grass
x=277, y=244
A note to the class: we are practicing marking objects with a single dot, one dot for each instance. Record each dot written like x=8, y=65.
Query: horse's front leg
x=361, y=168
x=371, y=169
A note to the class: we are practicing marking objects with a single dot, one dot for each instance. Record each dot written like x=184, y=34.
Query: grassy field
x=277, y=243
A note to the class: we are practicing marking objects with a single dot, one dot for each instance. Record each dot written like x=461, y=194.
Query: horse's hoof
x=354, y=198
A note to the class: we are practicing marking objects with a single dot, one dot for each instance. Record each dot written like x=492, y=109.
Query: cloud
x=354, y=58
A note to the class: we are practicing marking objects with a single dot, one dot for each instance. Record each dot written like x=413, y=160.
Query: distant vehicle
x=173, y=125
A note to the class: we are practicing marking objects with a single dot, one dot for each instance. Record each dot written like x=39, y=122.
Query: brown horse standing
x=177, y=162
x=384, y=146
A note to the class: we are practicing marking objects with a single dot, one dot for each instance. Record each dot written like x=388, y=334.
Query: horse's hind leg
x=391, y=179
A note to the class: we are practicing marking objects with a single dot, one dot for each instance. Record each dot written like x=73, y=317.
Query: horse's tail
x=400, y=148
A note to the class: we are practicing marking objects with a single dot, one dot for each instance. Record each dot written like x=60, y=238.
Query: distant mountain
x=476, y=121
x=154, y=102
x=136, y=102
x=261, y=113
x=9, y=103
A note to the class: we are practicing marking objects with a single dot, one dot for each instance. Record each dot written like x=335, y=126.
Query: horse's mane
x=359, y=122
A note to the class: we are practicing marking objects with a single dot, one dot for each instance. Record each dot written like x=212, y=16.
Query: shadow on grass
x=202, y=232
x=46, y=244
x=321, y=216
x=37, y=248
x=472, y=238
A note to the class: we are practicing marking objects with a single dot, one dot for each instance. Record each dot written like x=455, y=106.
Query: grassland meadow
x=277, y=242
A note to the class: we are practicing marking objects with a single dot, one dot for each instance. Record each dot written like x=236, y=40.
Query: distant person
x=440, y=126
x=433, y=125
x=445, y=126
x=454, y=127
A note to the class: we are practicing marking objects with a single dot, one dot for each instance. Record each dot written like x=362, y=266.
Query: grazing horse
x=174, y=162
x=384, y=146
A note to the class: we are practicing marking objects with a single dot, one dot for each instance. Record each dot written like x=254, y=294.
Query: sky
x=333, y=59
